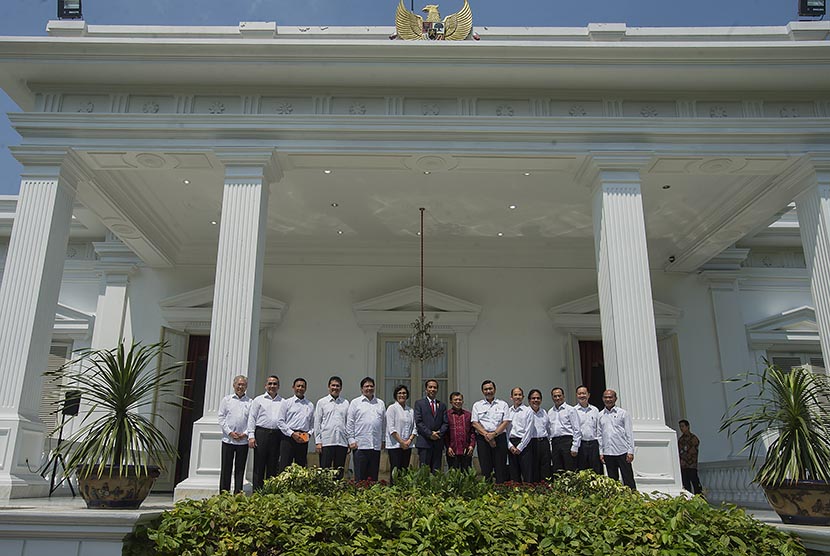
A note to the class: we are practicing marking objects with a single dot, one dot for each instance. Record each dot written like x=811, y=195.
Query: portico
x=292, y=166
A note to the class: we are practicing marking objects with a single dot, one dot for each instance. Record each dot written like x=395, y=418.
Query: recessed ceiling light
x=417, y=233
x=666, y=187
x=186, y=182
x=213, y=222
x=511, y=207
x=340, y=232
x=327, y=171
x=335, y=205
x=427, y=172
x=501, y=234
x=526, y=173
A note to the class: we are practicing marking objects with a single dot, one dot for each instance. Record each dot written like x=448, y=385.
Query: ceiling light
x=74, y=217
x=213, y=222
x=186, y=182
x=511, y=207
x=340, y=232
x=417, y=233
x=526, y=173
x=666, y=187
x=501, y=234
x=327, y=171
x=427, y=172
x=335, y=205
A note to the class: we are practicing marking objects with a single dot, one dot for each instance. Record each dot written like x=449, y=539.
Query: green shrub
x=580, y=515
x=311, y=480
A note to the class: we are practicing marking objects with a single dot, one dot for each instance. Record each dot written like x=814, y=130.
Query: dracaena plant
x=785, y=417
x=117, y=428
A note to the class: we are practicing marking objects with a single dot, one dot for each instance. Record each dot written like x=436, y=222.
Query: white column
x=28, y=298
x=629, y=338
x=235, y=326
x=813, y=207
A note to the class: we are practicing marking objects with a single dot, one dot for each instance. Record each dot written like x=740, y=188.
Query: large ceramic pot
x=114, y=490
x=801, y=503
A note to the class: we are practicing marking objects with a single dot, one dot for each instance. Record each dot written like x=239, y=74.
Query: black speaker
x=72, y=403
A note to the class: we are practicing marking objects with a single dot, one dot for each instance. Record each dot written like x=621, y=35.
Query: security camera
x=672, y=259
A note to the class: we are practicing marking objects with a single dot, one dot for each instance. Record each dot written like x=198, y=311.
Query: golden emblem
x=455, y=27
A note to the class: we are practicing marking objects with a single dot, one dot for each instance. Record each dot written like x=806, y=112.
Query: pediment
x=401, y=307
x=193, y=310
x=796, y=326
x=71, y=323
x=581, y=316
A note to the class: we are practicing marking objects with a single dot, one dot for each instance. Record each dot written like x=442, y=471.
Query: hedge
x=307, y=513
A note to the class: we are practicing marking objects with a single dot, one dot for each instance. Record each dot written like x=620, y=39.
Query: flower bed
x=307, y=512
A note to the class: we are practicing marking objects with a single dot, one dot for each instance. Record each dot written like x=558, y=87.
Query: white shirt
x=330, y=421
x=263, y=413
x=296, y=414
x=539, y=425
x=616, y=434
x=233, y=417
x=519, y=421
x=588, y=421
x=364, y=422
x=564, y=421
x=400, y=420
x=490, y=414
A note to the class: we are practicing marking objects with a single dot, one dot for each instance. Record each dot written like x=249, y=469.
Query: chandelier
x=421, y=345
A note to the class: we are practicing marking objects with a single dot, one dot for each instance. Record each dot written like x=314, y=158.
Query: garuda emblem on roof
x=455, y=27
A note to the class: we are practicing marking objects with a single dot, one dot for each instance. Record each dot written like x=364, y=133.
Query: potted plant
x=117, y=450
x=785, y=415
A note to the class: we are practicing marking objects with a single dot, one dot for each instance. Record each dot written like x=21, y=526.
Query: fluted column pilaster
x=813, y=207
x=28, y=298
x=629, y=338
x=235, y=326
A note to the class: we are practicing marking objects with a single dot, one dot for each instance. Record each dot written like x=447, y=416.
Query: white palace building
x=642, y=208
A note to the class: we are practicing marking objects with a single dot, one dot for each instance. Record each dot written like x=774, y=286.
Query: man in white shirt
x=616, y=440
x=565, y=434
x=490, y=418
x=233, y=418
x=364, y=428
x=587, y=456
x=520, y=431
x=296, y=421
x=330, y=427
x=540, y=443
x=263, y=434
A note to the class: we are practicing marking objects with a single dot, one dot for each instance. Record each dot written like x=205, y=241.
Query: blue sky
x=29, y=17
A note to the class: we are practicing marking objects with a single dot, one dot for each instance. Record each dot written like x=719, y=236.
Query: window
x=394, y=370
x=790, y=360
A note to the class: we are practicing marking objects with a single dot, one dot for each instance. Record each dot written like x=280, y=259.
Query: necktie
x=432, y=403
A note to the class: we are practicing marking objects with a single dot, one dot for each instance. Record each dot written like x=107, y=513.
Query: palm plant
x=117, y=435
x=792, y=409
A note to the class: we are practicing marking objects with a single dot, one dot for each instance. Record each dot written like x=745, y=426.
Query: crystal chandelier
x=421, y=345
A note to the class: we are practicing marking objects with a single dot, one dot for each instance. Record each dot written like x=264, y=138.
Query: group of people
x=522, y=443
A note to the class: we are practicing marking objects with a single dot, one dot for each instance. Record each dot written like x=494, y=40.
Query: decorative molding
x=192, y=311
x=400, y=308
x=796, y=326
x=581, y=317
x=72, y=324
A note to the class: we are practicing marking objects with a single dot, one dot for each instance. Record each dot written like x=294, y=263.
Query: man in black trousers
x=429, y=422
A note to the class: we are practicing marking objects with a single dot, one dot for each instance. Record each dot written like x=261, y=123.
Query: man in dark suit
x=431, y=427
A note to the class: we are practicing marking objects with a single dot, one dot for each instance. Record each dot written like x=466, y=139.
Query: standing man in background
x=431, y=426
x=687, y=445
x=233, y=418
x=263, y=434
x=330, y=427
